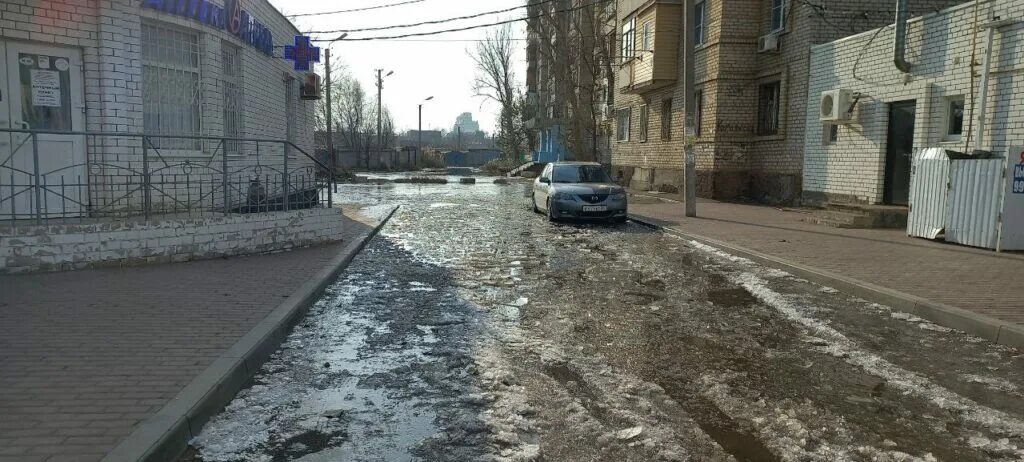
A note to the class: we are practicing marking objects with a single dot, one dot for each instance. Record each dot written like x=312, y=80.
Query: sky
x=436, y=65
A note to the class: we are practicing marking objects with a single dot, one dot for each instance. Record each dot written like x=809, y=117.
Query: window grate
x=231, y=85
x=171, y=81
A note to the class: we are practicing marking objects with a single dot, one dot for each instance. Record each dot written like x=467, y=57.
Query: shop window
x=666, y=119
x=622, y=123
x=768, y=102
x=643, y=123
x=699, y=14
x=954, y=117
x=171, y=85
x=778, y=15
x=231, y=87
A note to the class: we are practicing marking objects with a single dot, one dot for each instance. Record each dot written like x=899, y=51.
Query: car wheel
x=534, y=200
x=551, y=216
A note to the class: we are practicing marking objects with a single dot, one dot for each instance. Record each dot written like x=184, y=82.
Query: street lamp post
x=419, y=132
x=330, y=116
x=380, y=109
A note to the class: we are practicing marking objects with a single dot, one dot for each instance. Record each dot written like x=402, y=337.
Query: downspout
x=982, y=102
x=899, y=49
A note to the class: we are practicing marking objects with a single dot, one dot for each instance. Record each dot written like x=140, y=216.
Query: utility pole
x=690, y=133
x=330, y=118
x=458, y=142
x=419, y=132
x=380, y=86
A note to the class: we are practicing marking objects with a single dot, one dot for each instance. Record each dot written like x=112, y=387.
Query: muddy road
x=472, y=329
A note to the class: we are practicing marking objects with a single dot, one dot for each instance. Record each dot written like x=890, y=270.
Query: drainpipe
x=899, y=49
x=982, y=103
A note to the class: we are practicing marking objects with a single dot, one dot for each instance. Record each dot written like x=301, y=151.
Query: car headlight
x=619, y=195
x=563, y=196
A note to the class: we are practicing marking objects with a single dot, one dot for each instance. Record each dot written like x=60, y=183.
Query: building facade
x=751, y=61
x=568, y=78
x=465, y=124
x=130, y=68
x=862, y=156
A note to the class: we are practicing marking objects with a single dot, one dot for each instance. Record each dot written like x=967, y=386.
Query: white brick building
x=863, y=160
x=159, y=67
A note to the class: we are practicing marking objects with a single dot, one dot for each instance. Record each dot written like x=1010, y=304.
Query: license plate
x=595, y=208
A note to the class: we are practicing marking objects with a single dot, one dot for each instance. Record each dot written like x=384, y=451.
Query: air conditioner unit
x=310, y=88
x=835, y=106
x=768, y=43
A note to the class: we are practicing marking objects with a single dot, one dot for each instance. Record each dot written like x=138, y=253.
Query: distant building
x=465, y=122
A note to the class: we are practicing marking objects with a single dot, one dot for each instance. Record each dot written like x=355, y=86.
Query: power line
x=460, y=29
x=353, y=10
x=425, y=23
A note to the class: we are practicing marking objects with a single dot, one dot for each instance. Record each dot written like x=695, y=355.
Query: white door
x=42, y=90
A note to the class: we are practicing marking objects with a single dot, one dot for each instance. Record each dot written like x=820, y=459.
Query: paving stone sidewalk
x=973, y=279
x=87, y=355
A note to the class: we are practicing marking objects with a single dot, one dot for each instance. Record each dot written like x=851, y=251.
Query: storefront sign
x=1018, y=176
x=230, y=17
x=302, y=53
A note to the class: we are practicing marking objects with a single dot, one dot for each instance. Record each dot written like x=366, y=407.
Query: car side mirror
x=545, y=180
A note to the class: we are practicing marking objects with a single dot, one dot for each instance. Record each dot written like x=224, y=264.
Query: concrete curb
x=983, y=326
x=165, y=435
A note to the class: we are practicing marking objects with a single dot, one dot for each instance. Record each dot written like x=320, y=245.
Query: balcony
x=656, y=56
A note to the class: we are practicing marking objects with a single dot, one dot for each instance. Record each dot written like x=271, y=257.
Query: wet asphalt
x=473, y=329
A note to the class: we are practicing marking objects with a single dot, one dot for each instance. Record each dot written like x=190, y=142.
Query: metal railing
x=74, y=177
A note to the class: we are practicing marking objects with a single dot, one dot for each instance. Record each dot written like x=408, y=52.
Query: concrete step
x=837, y=219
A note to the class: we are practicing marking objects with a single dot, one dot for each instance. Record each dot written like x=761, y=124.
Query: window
x=579, y=174
x=622, y=124
x=666, y=119
x=778, y=15
x=830, y=134
x=698, y=22
x=647, y=40
x=643, y=123
x=628, y=39
x=954, y=117
x=698, y=111
x=768, y=108
x=171, y=95
x=231, y=87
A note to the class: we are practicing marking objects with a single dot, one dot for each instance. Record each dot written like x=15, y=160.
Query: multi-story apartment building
x=752, y=62
x=569, y=70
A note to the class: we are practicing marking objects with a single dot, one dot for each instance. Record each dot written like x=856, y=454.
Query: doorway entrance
x=899, y=149
x=41, y=89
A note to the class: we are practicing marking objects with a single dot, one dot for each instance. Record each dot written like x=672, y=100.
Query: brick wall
x=732, y=160
x=66, y=247
x=108, y=33
x=939, y=52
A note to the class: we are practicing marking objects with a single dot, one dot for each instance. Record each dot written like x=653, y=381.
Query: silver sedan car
x=578, y=190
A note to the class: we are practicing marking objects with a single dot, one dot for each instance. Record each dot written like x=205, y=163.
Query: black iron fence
x=81, y=176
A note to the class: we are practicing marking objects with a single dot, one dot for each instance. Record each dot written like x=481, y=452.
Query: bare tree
x=495, y=81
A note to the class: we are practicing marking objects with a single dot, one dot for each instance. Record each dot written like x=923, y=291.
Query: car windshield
x=579, y=174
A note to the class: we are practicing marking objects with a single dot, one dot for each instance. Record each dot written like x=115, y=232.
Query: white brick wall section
x=47, y=248
x=939, y=51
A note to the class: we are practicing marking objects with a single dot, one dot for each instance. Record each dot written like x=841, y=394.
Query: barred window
x=171, y=85
x=768, y=108
x=231, y=86
x=698, y=116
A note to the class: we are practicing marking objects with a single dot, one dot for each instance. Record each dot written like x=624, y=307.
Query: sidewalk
x=976, y=280
x=87, y=355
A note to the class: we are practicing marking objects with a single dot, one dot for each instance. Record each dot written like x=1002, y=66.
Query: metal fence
x=49, y=176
